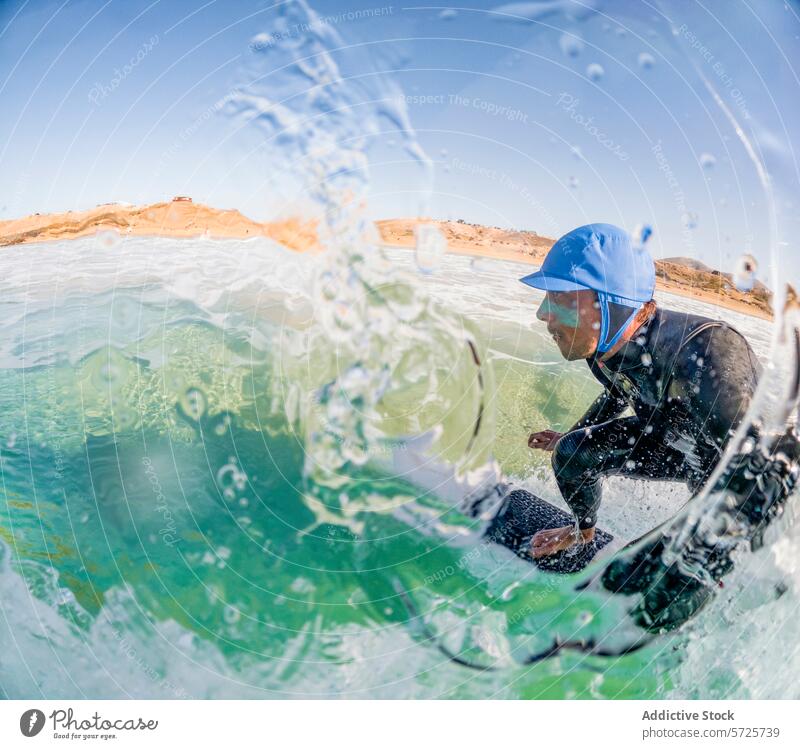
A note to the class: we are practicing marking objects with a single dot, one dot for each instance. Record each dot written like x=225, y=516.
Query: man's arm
x=719, y=377
x=605, y=407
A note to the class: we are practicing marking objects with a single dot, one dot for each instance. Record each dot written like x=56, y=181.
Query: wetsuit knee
x=572, y=457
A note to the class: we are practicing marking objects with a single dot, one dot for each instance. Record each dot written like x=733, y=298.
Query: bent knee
x=570, y=457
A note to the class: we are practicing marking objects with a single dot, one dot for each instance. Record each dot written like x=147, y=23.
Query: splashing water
x=646, y=60
x=246, y=469
x=707, y=160
x=570, y=45
x=430, y=247
x=642, y=233
x=690, y=219
x=744, y=273
x=595, y=71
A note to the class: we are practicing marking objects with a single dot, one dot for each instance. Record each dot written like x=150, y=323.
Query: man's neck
x=629, y=333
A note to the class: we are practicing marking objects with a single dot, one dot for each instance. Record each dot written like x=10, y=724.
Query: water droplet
x=124, y=418
x=193, y=403
x=448, y=14
x=109, y=372
x=231, y=479
x=647, y=360
x=595, y=71
x=690, y=219
x=574, y=183
x=223, y=425
x=570, y=45
x=646, y=60
x=108, y=238
x=481, y=264
x=12, y=440
x=642, y=233
x=430, y=247
x=576, y=152
x=443, y=153
x=707, y=160
x=744, y=273
x=231, y=614
x=630, y=465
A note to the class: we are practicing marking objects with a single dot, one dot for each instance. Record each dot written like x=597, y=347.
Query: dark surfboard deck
x=522, y=515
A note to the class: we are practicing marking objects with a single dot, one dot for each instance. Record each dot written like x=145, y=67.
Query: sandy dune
x=183, y=218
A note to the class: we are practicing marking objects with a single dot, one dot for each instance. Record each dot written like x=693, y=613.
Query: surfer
x=675, y=385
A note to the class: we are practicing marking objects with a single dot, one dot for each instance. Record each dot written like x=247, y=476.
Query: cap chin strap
x=605, y=320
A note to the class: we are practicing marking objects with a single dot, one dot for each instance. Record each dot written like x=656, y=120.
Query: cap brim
x=540, y=280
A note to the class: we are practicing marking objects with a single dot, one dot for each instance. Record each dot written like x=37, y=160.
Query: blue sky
x=537, y=115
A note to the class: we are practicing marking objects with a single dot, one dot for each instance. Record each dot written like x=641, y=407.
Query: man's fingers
x=542, y=440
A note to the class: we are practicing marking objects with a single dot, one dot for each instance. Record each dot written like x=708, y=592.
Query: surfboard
x=522, y=515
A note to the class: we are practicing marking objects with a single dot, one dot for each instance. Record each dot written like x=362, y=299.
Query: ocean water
x=199, y=500
x=229, y=470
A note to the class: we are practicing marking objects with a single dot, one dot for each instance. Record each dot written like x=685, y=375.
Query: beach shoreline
x=182, y=218
x=529, y=248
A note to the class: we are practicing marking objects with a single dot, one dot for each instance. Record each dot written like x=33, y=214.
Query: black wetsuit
x=688, y=381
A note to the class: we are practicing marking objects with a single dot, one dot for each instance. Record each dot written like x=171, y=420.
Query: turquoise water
x=233, y=471
x=187, y=511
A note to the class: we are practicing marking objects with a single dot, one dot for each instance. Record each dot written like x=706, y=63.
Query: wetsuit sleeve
x=718, y=374
x=606, y=406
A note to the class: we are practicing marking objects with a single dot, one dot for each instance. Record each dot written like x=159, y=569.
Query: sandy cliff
x=178, y=218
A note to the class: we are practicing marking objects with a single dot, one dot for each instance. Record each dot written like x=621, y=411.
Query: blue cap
x=603, y=258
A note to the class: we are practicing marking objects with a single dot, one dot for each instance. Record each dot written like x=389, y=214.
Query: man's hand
x=553, y=540
x=544, y=440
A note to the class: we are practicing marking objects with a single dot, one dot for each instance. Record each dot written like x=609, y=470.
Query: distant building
x=181, y=199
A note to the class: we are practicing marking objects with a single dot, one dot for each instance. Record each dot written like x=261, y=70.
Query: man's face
x=573, y=319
